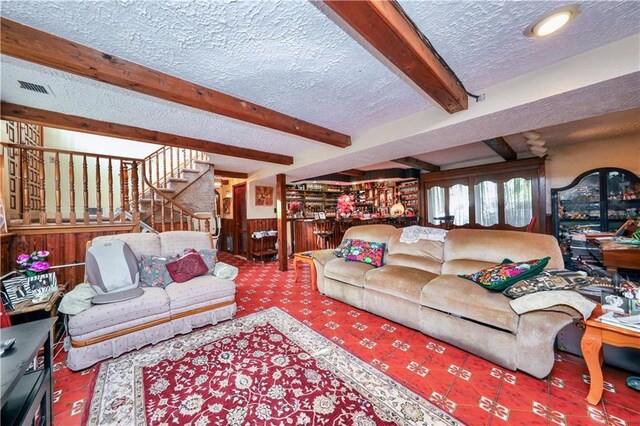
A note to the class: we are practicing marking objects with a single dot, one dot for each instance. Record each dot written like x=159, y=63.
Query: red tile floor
x=475, y=391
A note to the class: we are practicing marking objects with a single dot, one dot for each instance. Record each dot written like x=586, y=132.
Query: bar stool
x=323, y=230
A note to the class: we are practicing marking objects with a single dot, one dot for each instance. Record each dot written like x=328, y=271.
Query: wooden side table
x=596, y=334
x=298, y=260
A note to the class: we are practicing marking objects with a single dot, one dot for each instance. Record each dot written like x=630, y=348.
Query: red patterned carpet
x=475, y=391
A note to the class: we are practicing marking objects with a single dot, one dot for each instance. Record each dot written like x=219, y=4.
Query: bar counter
x=303, y=238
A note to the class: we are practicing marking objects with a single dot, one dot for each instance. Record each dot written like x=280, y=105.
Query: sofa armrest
x=323, y=256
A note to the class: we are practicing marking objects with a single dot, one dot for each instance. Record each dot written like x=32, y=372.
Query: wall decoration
x=17, y=289
x=226, y=205
x=264, y=195
x=43, y=283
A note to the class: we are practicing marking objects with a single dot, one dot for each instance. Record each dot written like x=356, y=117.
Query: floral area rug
x=266, y=368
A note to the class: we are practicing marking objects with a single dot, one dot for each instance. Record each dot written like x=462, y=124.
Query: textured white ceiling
x=289, y=56
x=458, y=154
x=285, y=55
x=483, y=42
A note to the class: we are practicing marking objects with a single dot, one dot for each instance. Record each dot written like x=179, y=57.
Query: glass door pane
x=623, y=200
x=579, y=207
x=459, y=204
x=518, y=202
x=486, y=203
x=435, y=203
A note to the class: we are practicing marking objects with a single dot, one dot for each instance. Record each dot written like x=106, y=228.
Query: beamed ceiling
x=299, y=59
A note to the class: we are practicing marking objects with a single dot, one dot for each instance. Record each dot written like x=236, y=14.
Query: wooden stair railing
x=166, y=163
x=172, y=211
x=50, y=178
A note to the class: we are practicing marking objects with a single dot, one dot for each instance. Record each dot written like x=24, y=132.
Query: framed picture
x=322, y=215
x=43, y=283
x=316, y=215
x=226, y=205
x=17, y=289
x=264, y=195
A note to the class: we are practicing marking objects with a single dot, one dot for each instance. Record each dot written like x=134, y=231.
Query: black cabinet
x=599, y=200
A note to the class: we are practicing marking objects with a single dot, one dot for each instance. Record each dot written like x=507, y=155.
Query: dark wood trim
x=75, y=123
x=368, y=175
x=32, y=45
x=229, y=174
x=386, y=27
x=352, y=172
x=417, y=164
x=483, y=170
x=281, y=218
x=502, y=148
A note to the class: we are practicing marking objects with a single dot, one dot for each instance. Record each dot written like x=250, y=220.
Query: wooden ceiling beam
x=229, y=174
x=86, y=125
x=385, y=26
x=417, y=164
x=352, y=172
x=29, y=44
x=502, y=148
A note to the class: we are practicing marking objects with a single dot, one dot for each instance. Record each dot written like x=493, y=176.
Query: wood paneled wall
x=65, y=248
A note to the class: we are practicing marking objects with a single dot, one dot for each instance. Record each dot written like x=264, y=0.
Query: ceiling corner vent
x=33, y=87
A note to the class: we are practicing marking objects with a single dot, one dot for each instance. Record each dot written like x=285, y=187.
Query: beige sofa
x=107, y=331
x=418, y=287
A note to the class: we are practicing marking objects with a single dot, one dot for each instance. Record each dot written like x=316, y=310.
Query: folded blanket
x=548, y=299
x=77, y=300
x=225, y=271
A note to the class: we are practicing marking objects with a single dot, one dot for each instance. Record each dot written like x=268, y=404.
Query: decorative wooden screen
x=27, y=169
x=496, y=196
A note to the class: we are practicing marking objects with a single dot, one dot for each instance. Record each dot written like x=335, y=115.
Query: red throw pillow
x=187, y=266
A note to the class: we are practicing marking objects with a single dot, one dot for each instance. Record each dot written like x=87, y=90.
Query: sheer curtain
x=459, y=204
x=518, y=202
x=435, y=203
x=486, y=203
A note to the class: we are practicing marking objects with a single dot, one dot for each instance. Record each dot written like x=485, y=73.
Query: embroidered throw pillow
x=343, y=249
x=187, y=266
x=499, y=277
x=208, y=255
x=366, y=252
x=153, y=272
x=551, y=279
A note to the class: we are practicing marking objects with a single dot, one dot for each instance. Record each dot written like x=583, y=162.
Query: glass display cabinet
x=597, y=201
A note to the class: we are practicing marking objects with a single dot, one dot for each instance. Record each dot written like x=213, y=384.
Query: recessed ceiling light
x=553, y=21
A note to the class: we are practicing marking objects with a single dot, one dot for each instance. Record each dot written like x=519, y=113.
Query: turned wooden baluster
x=153, y=208
x=189, y=223
x=58, y=192
x=178, y=165
x=171, y=217
x=125, y=191
x=134, y=193
x=43, y=194
x=181, y=220
x=157, y=157
x=162, y=215
x=110, y=184
x=85, y=188
x=98, y=192
x=191, y=159
x=164, y=161
x=207, y=225
x=26, y=201
x=72, y=191
x=171, y=164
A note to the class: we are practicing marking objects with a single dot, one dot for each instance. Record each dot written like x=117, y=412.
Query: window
x=486, y=203
x=459, y=204
x=435, y=207
x=518, y=202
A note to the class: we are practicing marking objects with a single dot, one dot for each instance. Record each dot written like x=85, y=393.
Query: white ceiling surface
x=603, y=127
x=483, y=42
x=288, y=56
x=285, y=55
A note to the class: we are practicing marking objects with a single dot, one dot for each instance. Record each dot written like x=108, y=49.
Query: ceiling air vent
x=33, y=87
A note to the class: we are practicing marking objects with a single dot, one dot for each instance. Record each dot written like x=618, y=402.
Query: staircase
x=170, y=199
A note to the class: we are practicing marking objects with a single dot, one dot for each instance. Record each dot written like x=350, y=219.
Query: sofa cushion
x=347, y=272
x=173, y=243
x=323, y=256
x=494, y=246
x=153, y=272
x=198, y=290
x=399, y=281
x=417, y=262
x=187, y=266
x=424, y=249
x=154, y=301
x=499, y=277
x=458, y=296
x=147, y=243
x=343, y=249
x=464, y=266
